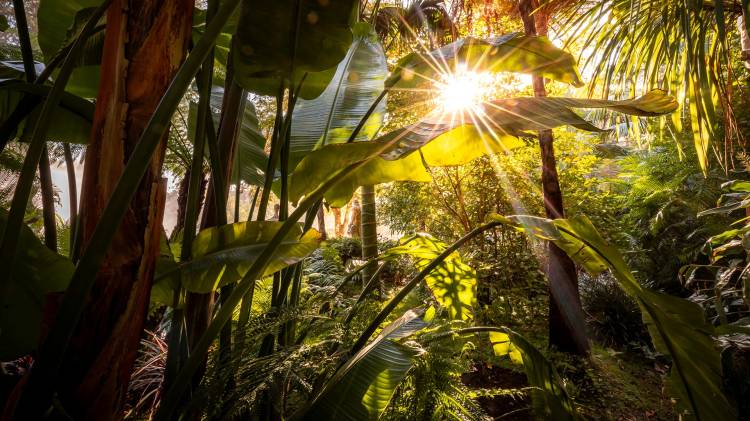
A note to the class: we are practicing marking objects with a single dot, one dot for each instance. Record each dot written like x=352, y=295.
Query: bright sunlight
x=463, y=90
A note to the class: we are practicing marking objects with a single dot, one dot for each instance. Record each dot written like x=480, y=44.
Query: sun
x=462, y=90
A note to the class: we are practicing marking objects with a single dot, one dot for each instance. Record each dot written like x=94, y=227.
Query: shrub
x=613, y=317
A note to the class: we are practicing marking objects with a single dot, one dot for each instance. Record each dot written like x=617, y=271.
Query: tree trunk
x=355, y=223
x=48, y=202
x=145, y=43
x=72, y=194
x=322, y=223
x=567, y=329
x=744, y=39
x=182, y=200
x=338, y=225
x=369, y=231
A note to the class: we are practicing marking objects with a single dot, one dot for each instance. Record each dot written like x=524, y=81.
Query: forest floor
x=609, y=385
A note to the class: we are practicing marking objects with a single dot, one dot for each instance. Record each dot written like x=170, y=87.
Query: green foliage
x=274, y=47
x=284, y=37
x=55, y=20
x=506, y=53
x=71, y=118
x=669, y=45
x=453, y=283
x=333, y=116
x=550, y=399
x=362, y=388
x=37, y=272
x=677, y=326
x=222, y=255
x=657, y=198
x=433, y=390
x=614, y=317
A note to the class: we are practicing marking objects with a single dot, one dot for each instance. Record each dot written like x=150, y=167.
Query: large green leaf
x=677, y=326
x=498, y=120
x=548, y=395
x=57, y=21
x=320, y=165
x=446, y=139
x=222, y=255
x=331, y=117
x=11, y=70
x=223, y=41
x=506, y=53
x=37, y=272
x=266, y=51
x=362, y=388
x=251, y=157
x=71, y=120
x=453, y=283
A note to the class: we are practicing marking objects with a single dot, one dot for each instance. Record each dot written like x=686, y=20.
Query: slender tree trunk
x=338, y=226
x=45, y=177
x=199, y=307
x=355, y=223
x=567, y=330
x=182, y=201
x=48, y=202
x=72, y=193
x=322, y=223
x=744, y=39
x=369, y=232
x=144, y=45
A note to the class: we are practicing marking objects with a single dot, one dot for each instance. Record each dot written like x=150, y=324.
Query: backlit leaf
x=362, y=388
x=507, y=53
x=222, y=255
x=331, y=117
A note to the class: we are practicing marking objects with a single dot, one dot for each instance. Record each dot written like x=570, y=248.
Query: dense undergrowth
x=542, y=253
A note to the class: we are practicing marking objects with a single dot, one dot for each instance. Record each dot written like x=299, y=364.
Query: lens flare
x=462, y=90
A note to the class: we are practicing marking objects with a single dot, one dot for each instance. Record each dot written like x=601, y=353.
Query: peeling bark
x=144, y=45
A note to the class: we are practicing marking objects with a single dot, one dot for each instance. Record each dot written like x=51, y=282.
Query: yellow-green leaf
x=222, y=255
x=502, y=346
x=507, y=53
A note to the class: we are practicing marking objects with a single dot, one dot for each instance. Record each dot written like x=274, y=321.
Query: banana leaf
x=58, y=22
x=71, y=120
x=222, y=255
x=251, y=157
x=362, y=388
x=320, y=165
x=444, y=139
x=331, y=117
x=309, y=36
x=549, y=398
x=453, y=283
x=506, y=53
x=505, y=118
x=11, y=70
